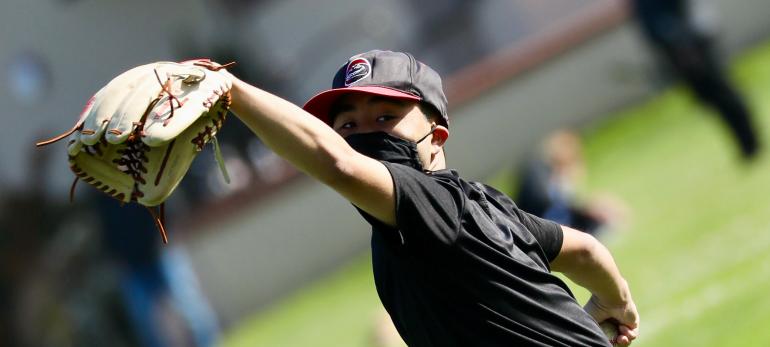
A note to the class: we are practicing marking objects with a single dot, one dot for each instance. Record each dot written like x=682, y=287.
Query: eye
x=385, y=118
x=347, y=125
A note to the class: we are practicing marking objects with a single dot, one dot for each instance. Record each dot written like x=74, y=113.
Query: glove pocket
x=98, y=165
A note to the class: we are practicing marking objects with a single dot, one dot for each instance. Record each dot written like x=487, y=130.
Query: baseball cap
x=391, y=74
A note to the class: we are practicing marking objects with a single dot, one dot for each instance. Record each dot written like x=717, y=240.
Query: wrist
x=237, y=92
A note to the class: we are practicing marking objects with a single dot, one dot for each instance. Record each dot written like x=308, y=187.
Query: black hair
x=431, y=113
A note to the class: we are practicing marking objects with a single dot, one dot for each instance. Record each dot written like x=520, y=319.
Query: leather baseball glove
x=137, y=136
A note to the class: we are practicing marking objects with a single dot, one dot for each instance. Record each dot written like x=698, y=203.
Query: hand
x=623, y=316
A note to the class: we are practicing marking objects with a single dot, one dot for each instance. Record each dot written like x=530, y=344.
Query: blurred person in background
x=54, y=285
x=546, y=184
x=27, y=220
x=684, y=32
x=160, y=291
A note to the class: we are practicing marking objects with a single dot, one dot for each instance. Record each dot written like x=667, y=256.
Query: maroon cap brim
x=321, y=104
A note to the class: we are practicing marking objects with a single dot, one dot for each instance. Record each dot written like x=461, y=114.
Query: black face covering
x=383, y=146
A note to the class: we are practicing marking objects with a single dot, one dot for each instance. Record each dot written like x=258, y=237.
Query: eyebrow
x=340, y=107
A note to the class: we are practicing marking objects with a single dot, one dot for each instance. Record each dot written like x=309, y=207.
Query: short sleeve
x=428, y=207
x=547, y=233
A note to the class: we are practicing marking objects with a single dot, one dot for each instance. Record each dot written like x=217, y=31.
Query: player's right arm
x=589, y=264
x=316, y=149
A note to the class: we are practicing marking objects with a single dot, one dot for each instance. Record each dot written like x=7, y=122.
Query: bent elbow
x=589, y=249
x=584, y=252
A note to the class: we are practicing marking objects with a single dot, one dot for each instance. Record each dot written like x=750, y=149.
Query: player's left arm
x=584, y=260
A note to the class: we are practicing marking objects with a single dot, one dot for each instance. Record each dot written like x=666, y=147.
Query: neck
x=438, y=162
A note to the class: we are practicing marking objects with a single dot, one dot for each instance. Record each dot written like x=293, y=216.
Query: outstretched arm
x=316, y=149
x=588, y=263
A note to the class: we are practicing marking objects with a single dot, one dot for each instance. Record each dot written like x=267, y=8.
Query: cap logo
x=357, y=70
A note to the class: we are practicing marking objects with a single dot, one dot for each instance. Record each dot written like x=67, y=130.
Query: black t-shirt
x=466, y=267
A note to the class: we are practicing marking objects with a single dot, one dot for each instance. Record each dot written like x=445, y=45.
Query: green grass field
x=696, y=252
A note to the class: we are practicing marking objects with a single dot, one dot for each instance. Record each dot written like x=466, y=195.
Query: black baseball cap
x=391, y=74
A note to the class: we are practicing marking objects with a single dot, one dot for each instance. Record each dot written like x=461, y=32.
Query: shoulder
x=427, y=203
x=440, y=178
x=481, y=191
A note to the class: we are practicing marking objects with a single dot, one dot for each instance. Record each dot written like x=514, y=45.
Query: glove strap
x=220, y=159
x=158, y=219
x=59, y=137
x=72, y=189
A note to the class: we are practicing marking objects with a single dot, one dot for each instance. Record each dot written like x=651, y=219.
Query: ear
x=440, y=135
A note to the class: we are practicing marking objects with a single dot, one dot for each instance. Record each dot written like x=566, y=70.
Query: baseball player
x=672, y=28
x=456, y=263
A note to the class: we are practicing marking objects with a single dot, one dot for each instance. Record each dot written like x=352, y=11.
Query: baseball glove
x=137, y=136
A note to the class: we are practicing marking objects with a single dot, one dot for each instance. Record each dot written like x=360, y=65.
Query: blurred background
x=641, y=122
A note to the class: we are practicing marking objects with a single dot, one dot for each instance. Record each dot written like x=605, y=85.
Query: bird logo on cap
x=357, y=69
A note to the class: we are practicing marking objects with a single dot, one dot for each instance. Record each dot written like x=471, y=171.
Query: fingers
x=74, y=145
x=626, y=335
x=107, y=102
x=624, y=318
x=133, y=106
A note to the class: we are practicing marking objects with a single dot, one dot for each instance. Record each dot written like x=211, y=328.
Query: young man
x=456, y=263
